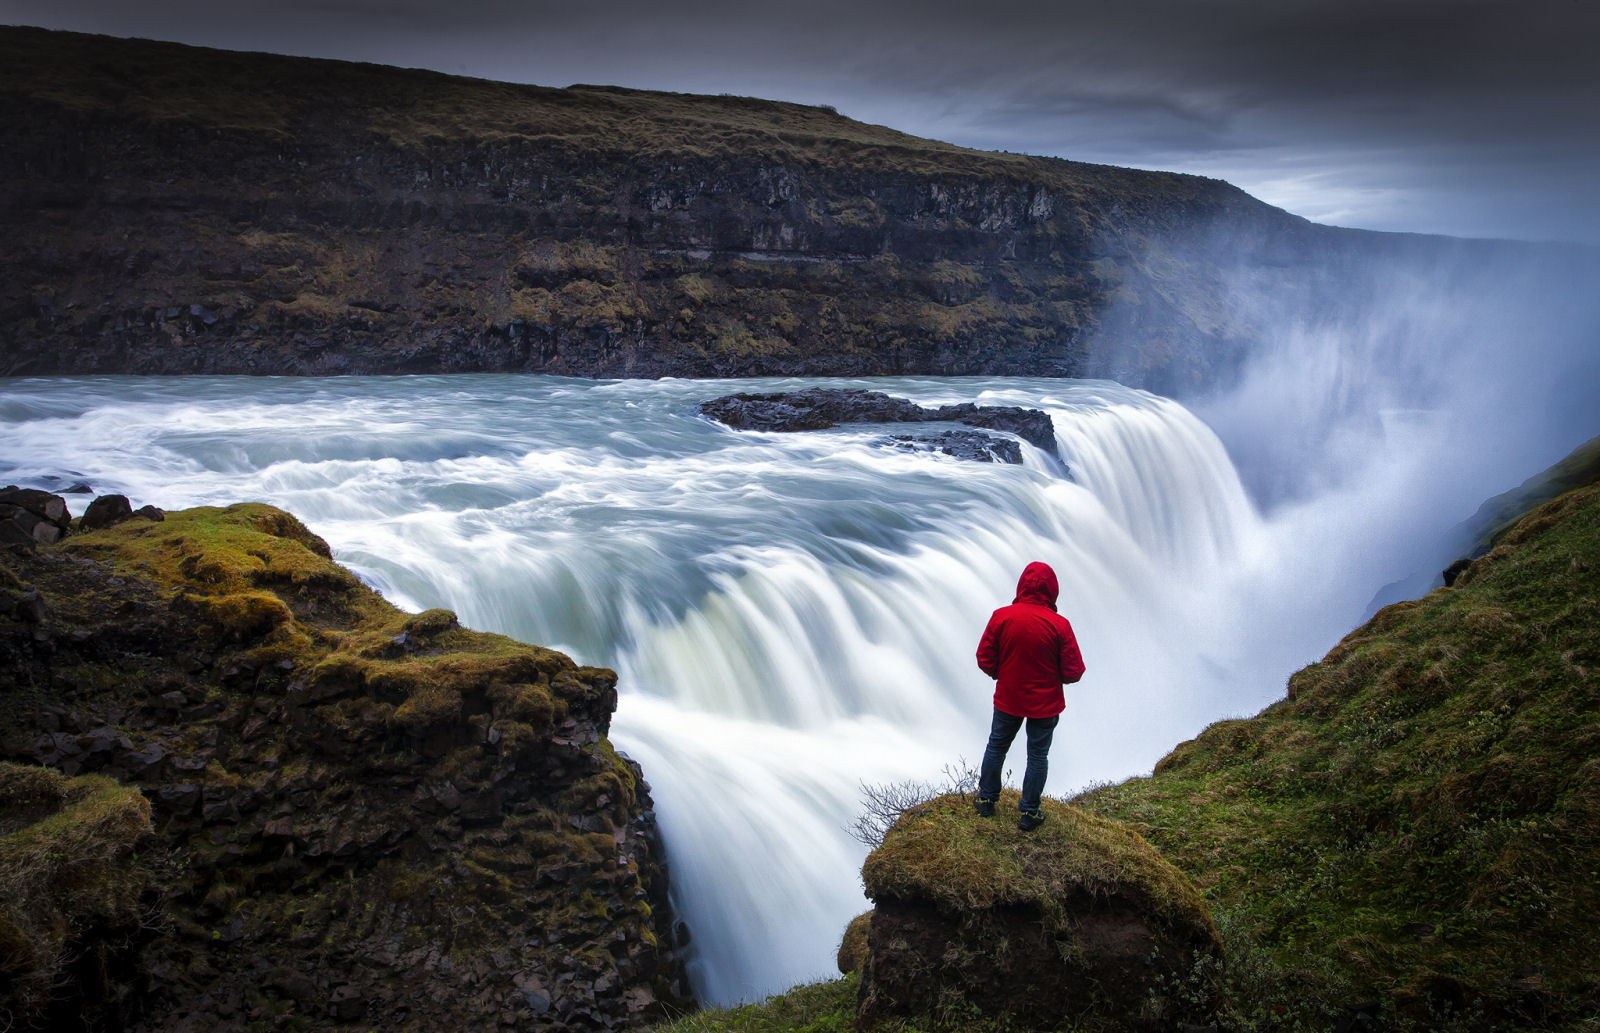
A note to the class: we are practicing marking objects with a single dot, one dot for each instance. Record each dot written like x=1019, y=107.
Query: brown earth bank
x=329, y=814
x=169, y=209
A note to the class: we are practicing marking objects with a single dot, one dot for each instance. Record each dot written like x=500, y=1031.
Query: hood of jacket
x=1038, y=585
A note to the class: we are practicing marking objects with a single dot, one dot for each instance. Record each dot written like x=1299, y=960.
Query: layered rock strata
x=170, y=209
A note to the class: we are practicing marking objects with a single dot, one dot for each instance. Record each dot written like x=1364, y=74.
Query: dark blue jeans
x=1004, y=729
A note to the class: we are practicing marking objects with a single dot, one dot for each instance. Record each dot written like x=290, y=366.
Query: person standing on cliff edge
x=1031, y=652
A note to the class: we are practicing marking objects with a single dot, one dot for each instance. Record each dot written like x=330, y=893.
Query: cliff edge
x=362, y=818
x=172, y=209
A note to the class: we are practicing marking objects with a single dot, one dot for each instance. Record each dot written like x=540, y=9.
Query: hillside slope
x=1420, y=818
x=170, y=209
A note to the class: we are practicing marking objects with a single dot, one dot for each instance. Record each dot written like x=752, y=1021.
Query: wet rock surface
x=364, y=819
x=973, y=446
x=822, y=408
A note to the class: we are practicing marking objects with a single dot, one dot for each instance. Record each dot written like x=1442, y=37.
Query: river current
x=791, y=615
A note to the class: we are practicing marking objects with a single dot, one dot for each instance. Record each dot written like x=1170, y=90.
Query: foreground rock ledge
x=363, y=818
x=1079, y=923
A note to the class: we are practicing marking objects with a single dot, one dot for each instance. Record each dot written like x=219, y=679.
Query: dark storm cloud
x=1464, y=116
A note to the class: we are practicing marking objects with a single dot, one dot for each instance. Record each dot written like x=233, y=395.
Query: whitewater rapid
x=791, y=615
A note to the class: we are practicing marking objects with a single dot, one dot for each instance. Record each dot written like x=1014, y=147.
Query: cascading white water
x=790, y=615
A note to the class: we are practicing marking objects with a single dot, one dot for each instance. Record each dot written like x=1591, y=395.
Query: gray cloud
x=1465, y=116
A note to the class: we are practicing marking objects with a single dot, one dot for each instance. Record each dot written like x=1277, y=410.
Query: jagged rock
x=1078, y=921
x=346, y=1003
x=820, y=408
x=326, y=810
x=105, y=511
x=30, y=608
x=14, y=535
x=179, y=799
x=41, y=503
x=29, y=516
x=969, y=445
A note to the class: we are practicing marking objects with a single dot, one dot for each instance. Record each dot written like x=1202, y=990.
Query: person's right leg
x=1002, y=730
x=1040, y=731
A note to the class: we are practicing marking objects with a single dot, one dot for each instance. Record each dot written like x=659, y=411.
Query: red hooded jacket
x=1029, y=648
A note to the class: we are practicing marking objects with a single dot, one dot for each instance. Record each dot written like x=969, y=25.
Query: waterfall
x=790, y=615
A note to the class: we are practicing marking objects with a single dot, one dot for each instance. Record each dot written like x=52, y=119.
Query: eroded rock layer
x=170, y=209
x=362, y=817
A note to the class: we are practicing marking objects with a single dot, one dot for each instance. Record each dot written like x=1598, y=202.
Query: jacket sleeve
x=989, y=648
x=1071, y=658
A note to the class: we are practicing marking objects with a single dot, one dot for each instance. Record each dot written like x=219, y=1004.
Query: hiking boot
x=1030, y=820
x=984, y=807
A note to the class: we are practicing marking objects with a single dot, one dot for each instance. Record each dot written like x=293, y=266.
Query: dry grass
x=944, y=852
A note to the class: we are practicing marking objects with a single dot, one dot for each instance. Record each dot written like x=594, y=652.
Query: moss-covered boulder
x=853, y=946
x=1079, y=922
x=69, y=891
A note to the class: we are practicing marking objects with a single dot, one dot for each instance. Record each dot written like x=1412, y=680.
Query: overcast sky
x=1470, y=117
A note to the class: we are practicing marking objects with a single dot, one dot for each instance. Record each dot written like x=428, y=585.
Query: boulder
x=1079, y=923
x=29, y=516
x=105, y=511
x=50, y=507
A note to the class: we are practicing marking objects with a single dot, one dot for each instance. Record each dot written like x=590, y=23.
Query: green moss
x=1425, y=802
x=244, y=616
x=211, y=550
x=944, y=852
x=67, y=865
x=824, y=1007
x=257, y=578
x=853, y=946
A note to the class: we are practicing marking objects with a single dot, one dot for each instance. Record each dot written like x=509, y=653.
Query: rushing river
x=791, y=615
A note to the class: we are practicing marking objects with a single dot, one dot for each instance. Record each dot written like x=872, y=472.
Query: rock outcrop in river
x=822, y=408
x=169, y=209
x=359, y=818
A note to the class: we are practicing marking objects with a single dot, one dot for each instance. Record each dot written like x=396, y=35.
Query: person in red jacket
x=1031, y=652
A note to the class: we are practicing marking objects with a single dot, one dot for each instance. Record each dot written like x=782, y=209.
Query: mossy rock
x=255, y=576
x=344, y=788
x=71, y=881
x=853, y=948
x=1078, y=922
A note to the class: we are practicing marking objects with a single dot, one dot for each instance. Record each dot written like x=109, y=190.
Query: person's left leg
x=1040, y=731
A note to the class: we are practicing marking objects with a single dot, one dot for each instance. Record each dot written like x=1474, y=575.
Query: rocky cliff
x=168, y=209
x=356, y=817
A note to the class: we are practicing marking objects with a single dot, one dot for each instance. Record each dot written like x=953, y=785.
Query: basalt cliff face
x=239, y=791
x=169, y=209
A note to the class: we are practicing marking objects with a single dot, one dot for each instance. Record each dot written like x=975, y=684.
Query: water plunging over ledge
x=791, y=614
